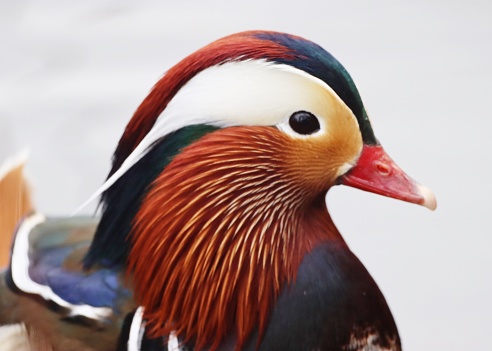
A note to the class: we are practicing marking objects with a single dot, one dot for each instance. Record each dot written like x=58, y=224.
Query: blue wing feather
x=56, y=249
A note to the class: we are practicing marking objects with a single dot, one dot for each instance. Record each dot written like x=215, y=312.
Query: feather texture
x=214, y=234
x=216, y=227
x=15, y=202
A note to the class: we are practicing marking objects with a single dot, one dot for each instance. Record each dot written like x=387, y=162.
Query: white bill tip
x=429, y=198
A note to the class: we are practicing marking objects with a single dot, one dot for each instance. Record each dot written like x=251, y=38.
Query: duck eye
x=304, y=123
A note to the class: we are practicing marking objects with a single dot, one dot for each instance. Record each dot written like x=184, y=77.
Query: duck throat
x=221, y=231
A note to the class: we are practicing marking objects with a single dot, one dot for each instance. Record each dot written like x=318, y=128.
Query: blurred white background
x=72, y=73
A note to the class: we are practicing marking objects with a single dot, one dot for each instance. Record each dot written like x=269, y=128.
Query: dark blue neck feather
x=121, y=202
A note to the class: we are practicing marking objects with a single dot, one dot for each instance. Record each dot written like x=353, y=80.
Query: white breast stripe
x=20, y=274
x=137, y=330
x=173, y=343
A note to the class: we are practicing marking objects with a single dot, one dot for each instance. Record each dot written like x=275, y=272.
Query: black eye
x=304, y=122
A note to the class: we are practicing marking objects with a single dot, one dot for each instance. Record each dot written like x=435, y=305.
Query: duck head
x=218, y=183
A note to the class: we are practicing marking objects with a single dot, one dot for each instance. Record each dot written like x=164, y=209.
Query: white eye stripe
x=252, y=92
x=249, y=92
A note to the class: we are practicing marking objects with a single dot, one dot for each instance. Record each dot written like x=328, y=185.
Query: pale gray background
x=72, y=73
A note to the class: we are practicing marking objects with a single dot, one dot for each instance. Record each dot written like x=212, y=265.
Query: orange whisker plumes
x=15, y=203
x=218, y=236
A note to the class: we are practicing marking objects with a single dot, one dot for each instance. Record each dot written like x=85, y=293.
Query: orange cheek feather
x=230, y=203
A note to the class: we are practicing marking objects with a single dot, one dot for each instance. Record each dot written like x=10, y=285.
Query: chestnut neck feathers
x=224, y=227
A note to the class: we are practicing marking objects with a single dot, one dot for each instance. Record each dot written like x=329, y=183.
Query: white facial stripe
x=21, y=278
x=250, y=92
x=137, y=330
x=240, y=93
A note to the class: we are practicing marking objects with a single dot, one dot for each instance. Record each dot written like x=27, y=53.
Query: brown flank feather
x=222, y=230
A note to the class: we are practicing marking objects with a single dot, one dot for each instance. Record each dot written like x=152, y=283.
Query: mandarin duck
x=214, y=232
